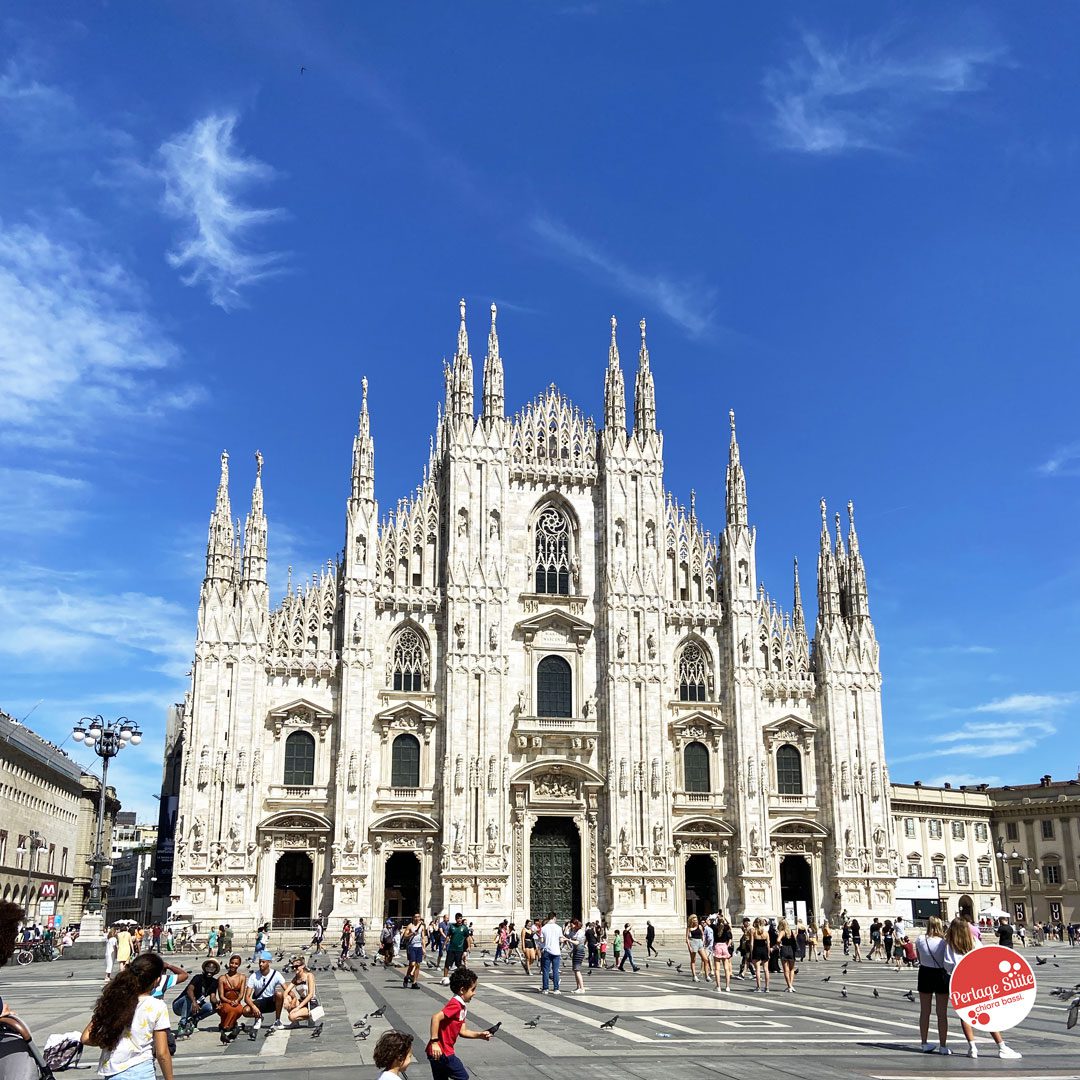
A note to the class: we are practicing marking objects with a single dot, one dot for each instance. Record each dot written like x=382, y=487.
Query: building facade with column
x=48, y=813
x=539, y=682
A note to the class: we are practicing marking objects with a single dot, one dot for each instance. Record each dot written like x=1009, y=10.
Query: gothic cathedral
x=538, y=683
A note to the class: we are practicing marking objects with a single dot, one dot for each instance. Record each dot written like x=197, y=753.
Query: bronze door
x=555, y=869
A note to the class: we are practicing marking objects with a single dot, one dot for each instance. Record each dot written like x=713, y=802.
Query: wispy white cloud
x=958, y=650
x=44, y=616
x=867, y=94
x=1019, y=729
x=205, y=174
x=79, y=345
x=35, y=501
x=1065, y=461
x=958, y=778
x=1028, y=703
x=688, y=304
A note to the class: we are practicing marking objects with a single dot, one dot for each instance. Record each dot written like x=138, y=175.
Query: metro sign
x=48, y=890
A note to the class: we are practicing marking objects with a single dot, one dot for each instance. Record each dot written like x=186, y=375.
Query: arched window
x=789, y=770
x=693, y=672
x=299, y=760
x=696, y=767
x=552, y=552
x=409, y=662
x=554, y=687
x=405, y=762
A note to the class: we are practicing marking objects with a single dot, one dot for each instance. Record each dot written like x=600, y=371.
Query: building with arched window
x=540, y=683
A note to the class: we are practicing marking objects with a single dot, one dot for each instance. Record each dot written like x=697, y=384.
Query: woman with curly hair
x=130, y=1025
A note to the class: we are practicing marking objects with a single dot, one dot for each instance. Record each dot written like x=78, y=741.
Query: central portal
x=796, y=887
x=555, y=869
x=401, y=887
x=292, y=891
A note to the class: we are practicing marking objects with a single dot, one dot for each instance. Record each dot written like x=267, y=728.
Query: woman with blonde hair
x=759, y=954
x=959, y=940
x=695, y=944
x=933, y=985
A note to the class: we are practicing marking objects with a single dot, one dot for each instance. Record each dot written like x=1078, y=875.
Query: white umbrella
x=993, y=913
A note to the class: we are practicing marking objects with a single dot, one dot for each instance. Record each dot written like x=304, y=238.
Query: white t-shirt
x=551, y=936
x=263, y=986
x=136, y=1045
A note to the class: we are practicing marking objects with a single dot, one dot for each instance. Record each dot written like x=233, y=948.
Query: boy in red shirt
x=448, y=1023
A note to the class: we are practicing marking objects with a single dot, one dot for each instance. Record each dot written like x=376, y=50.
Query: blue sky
x=854, y=224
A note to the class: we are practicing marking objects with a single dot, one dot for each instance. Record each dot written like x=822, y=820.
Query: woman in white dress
x=110, y=953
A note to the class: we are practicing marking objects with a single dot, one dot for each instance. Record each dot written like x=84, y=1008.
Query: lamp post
x=106, y=739
x=1028, y=871
x=1002, y=857
x=33, y=843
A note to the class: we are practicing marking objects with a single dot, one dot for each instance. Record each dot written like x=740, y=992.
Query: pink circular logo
x=992, y=988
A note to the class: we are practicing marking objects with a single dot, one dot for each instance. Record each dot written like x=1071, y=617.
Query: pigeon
x=487, y=963
x=609, y=1023
x=843, y=970
x=827, y=978
x=678, y=969
x=378, y=1012
x=362, y=1035
x=534, y=1022
x=843, y=991
x=495, y=1029
x=910, y=996
x=71, y=975
x=1040, y=960
x=876, y=994
x=670, y=963
x=316, y=1031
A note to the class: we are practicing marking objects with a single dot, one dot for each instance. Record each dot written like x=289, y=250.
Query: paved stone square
x=668, y=1025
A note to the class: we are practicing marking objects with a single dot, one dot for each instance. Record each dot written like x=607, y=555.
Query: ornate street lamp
x=32, y=844
x=1028, y=871
x=106, y=739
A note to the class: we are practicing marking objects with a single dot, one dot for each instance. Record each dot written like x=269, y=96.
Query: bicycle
x=27, y=954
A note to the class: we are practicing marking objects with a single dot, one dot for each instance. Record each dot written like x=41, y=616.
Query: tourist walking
x=826, y=939
x=551, y=942
x=628, y=943
x=745, y=945
x=528, y=945
x=360, y=940
x=856, y=941
x=650, y=939
x=346, y=938
x=125, y=945
x=1005, y=932
x=129, y=1025
x=959, y=940
x=875, y=939
x=458, y=942
x=577, y=955
x=413, y=937
x=759, y=955
x=318, y=935
x=111, y=946
x=695, y=943
x=212, y=942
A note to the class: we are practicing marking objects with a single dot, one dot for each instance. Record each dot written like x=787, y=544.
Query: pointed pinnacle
x=258, y=466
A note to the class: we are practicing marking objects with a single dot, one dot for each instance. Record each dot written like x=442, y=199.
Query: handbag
x=316, y=1012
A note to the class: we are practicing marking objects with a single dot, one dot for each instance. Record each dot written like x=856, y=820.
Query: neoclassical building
x=538, y=682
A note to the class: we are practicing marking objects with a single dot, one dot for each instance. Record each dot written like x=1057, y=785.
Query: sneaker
x=445, y=982
x=257, y=1024
x=545, y=991
x=928, y=1048
x=1009, y=1053
x=580, y=990
x=277, y=1025
x=695, y=978
x=973, y=1050
x=944, y=1050
x=556, y=991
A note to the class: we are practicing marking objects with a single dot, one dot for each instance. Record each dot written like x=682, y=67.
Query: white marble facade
x=538, y=680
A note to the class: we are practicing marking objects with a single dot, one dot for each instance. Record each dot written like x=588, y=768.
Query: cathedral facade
x=538, y=683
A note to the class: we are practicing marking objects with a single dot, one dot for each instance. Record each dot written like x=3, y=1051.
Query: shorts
x=933, y=980
x=265, y=1005
x=721, y=951
x=415, y=954
x=448, y=1067
x=453, y=958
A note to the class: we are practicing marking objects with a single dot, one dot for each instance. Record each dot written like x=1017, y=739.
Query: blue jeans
x=627, y=958
x=550, y=961
x=448, y=1067
x=184, y=1008
x=143, y=1071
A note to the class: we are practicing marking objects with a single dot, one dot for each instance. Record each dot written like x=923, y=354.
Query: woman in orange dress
x=232, y=997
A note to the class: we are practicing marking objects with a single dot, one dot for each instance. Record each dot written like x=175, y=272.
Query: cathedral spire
x=644, y=391
x=858, y=601
x=363, y=468
x=828, y=586
x=614, y=388
x=220, y=543
x=459, y=378
x=255, y=532
x=736, y=481
x=797, y=618
x=494, y=394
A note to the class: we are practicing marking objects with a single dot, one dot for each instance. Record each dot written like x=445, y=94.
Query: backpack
x=63, y=1054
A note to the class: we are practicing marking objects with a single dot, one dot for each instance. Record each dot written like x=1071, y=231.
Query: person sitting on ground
x=266, y=993
x=130, y=1025
x=199, y=999
x=299, y=994
x=233, y=999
